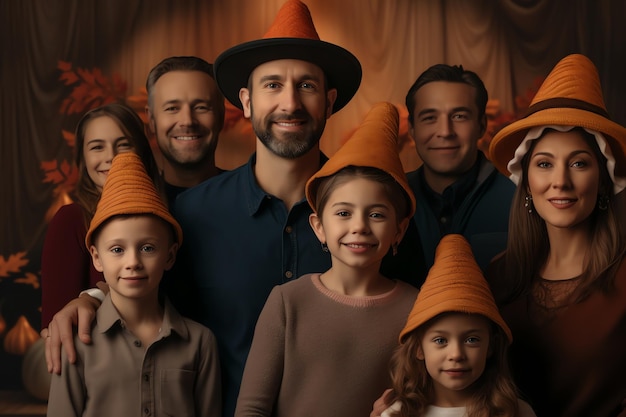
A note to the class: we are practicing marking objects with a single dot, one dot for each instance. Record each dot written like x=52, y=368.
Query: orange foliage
x=29, y=279
x=91, y=88
x=13, y=264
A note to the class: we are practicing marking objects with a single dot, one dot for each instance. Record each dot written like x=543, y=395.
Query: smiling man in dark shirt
x=457, y=189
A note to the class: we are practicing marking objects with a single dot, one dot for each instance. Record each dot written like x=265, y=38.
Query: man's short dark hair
x=448, y=73
x=176, y=63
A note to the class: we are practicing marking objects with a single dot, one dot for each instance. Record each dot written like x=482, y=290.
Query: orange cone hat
x=129, y=190
x=455, y=283
x=291, y=36
x=571, y=95
x=374, y=144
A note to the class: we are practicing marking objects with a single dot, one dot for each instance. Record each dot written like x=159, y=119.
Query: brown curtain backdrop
x=509, y=43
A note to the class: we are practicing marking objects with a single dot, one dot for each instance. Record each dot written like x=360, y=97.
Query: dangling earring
x=394, y=249
x=603, y=202
x=324, y=247
x=529, y=203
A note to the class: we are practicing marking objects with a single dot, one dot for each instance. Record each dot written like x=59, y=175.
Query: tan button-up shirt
x=177, y=375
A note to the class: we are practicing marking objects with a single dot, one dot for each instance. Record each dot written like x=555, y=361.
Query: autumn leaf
x=15, y=262
x=91, y=88
x=69, y=78
x=58, y=173
x=64, y=66
x=70, y=138
x=30, y=279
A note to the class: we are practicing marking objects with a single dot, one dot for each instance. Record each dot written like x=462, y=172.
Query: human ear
x=331, y=97
x=420, y=353
x=95, y=258
x=402, y=227
x=412, y=132
x=150, y=118
x=316, y=224
x=171, y=256
x=244, y=97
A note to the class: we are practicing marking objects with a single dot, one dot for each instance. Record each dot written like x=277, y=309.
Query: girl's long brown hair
x=86, y=193
x=495, y=393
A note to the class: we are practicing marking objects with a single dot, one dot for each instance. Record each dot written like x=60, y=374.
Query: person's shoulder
x=297, y=289
x=215, y=183
x=69, y=211
x=198, y=329
x=195, y=330
x=413, y=177
x=499, y=180
x=303, y=283
x=215, y=190
x=524, y=409
x=504, y=183
x=406, y=288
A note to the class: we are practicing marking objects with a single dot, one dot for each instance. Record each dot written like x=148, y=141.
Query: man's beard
x=290, y=145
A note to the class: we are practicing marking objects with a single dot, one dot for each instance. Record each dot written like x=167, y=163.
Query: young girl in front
x=452, y=356
x=323, y=342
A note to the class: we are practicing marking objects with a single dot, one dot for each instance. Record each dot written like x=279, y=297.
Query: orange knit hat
x=291, y=36
x=374, y=144
x=455, y=283
x=571, y=95
x=129, y=190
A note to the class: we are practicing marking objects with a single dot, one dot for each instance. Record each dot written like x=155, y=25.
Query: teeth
x=288, y=124
x=354, y=245
x=561, y=201
x=186, y=137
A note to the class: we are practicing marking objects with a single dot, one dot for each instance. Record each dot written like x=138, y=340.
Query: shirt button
x=146, y=377
x=288, y=229
x=289, y=274
x=146, y=410
x=138, y=343
x=443, y=220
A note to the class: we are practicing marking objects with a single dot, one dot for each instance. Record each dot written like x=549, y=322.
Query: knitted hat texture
x=455, y=283
x=374, y=144
x=129, y=190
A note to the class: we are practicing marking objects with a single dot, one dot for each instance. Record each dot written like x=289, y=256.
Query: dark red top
x=66, y=267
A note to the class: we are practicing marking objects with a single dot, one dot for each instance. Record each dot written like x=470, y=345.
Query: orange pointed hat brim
x=455, y=283
x=291, y=36
x=571, y=95
x=129, y=190
x=374, y=144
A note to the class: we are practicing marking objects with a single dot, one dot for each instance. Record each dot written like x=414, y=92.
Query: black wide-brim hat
x=291, y=36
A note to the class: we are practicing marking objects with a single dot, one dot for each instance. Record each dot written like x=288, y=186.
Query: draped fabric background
x=509, y=43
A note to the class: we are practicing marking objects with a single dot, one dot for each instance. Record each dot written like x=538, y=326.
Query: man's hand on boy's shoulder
x=79, y=312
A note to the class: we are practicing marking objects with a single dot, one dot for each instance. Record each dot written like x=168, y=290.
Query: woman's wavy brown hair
x=528, y=245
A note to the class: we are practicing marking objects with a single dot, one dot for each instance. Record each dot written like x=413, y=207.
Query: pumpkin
x=20, y=337
x=35, y=376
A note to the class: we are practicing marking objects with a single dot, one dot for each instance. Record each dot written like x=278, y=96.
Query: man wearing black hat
x=248, y=230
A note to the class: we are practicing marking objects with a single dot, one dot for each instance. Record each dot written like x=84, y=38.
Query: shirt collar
x=255, y=195
x=458, y=190
x=109, y=318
